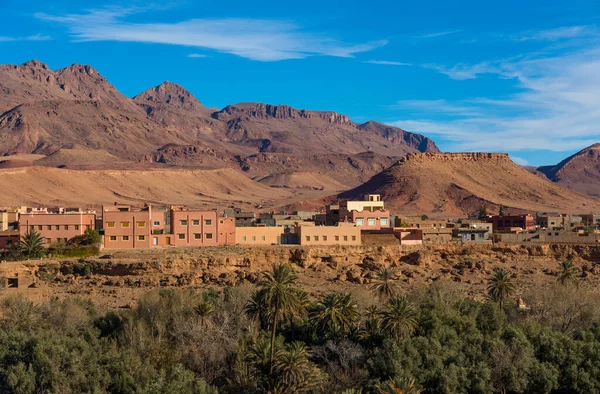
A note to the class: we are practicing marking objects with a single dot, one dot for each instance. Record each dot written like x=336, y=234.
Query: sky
x=521, y=77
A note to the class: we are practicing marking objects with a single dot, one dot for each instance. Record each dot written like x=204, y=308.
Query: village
x=361, y=222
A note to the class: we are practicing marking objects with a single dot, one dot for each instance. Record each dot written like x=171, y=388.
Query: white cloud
x=387, y=63
x=559, y=33
x=196, y=55
x=557, y=106
x=263, y=40
x=35, y=37
x=519, y=160
x=439, y=34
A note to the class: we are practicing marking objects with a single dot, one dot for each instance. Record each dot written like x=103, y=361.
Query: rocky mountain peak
x=170, y=94
x=34, y=64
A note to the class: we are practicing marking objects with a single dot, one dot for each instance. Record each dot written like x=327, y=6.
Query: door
x=168, y=240
x=155, y=241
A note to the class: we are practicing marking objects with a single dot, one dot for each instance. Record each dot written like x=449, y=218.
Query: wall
x=127, y=229
x=258, y=235
x=8, y=239
x=328, y=235
x=55, y=227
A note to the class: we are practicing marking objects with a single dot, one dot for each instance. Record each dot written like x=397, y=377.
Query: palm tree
x=500, y=286
x=384, y=286
x=335, y=312
x=277, y=299
x=399, y=319
x=32, y=245
x=204, y=310
x=567, y=273
x=295, y=372
x=405, y=386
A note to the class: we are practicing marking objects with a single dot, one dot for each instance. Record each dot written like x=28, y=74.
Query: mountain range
x=74, y=119
x=44, y=111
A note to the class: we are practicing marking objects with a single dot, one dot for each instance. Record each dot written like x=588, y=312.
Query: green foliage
x=500, y=287
x=424, y=217
x=89, y=238
x=483, y=213
x=31, y=245
x=567, y=273
x=334, y=313
x=384, y=285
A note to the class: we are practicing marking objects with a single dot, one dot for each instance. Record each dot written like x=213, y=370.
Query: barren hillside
x=579, y=172
x=458, y=183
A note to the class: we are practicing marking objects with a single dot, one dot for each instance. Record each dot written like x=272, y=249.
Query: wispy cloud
x=196, y=55
x=463, y=71
x=387, y=63
x=439, y=34
x=256, y=39
x=35, y=37
x=557, y=106
x=558, y=33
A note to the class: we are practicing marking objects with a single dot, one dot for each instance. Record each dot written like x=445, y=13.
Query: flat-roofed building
x=8, y=239
x=263, y=235
x=341, y=234
x=56, y=227
x=201, y=228
x=368, y=214
x=126, y=227
x=511, y=222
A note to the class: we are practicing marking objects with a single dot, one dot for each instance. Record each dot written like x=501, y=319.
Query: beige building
x=371, y=202
x=342, y=234
x=258, y=235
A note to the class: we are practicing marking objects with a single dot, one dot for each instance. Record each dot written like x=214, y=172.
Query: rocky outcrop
x=266, y=111
x=445, y=157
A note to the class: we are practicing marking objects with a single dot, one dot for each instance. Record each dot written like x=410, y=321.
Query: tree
x=567, y=273
x=384, y=285
x=405, y=386
x=204, y=310
x=295, y=372
x=483, y=213
x=32, y=245
x=335, y=312
x=399, y=319
x=424, y=217
x=500, y=287
x=89, y=238
x=501, y=212
x=277, y=299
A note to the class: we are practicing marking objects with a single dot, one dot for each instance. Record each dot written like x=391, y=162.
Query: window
x=181, y=236
x=254, y=238
x=125, y=224
x=208, y=222
x=76, y=227
x=337, y=237
x=307, y=238
x=197, y=236
x=316, y=237
x=244, y=238
x=345, y=238
x=39, y=228
x=49, y=240
x=87, y=226
x=550, y=234
x=141, y=224
x=141, y=237
x=67, y=227
x=263, y=238
x=556, y=234
x=371, y=221
x=8, y=242
x=156, y=223
x=57, y=227
x=110, y=224
x=220, y=222
x=354, y=237
x=209, y=236
x=195, y=222
x=360, y=222
x=125, y=237
x=113, y=237
x=383, y=221
x=183, y=222
x=49, y=227
x=324, y=237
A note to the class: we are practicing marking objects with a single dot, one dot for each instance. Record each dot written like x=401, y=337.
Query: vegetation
x=31, y=245
x=567, y=273
x=384, y=285
x=274, y=339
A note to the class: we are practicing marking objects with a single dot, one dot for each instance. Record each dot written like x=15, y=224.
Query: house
x=436, y=235
x=9, y=239
x=590, y=219
x=57, y=227
x=16, y=275
x=342, y=234
x=368, y=214
x=126, y=227
x=511, y=222
x=550, y=221
x=473, y=232
x=259, y=235
x=392, y=236
x=242, y=219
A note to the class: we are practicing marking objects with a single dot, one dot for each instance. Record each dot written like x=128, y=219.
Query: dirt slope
x=458, y=183
x=80, y=159
x=302, y=180
x=579, y=172
x=195, y=188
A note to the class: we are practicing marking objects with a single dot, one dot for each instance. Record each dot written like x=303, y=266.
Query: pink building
x=368, y=214
x=8, y=239
x=126, y=228
x=56, y=227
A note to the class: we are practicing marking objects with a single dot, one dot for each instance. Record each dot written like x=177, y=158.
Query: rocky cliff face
x=266, y=111
x=173, y=95
x=447, y=157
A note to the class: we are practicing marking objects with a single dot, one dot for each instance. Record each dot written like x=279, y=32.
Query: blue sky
x=521, y=77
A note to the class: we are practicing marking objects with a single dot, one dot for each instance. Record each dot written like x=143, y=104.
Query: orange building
x=368, y=214
x=8, y=239
x=56, y=227
x=259, y=235
x=127, y=228
x=342, y=234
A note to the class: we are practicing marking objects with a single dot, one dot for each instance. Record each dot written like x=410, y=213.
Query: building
x=590, y=219
x=259, y=235
x=126, y=227
x=201, y=228
x=9, y=239
x=436, y=235
x=392, y=236
x=368, y=214
x=473, y=233
x=242, y=219
x=508, y=223
x=550, y=222
x=342, y=234
x=56, y=227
